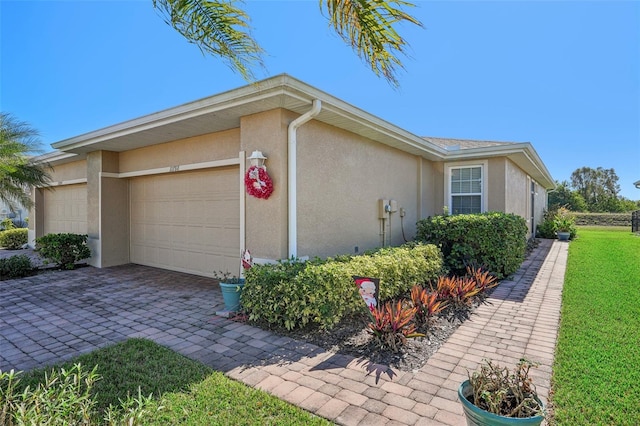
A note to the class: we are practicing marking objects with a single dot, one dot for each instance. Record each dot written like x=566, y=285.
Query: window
x=466, y=190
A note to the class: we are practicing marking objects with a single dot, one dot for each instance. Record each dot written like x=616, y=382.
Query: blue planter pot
x=231, y=295
x=478, y=417
x=564, y=236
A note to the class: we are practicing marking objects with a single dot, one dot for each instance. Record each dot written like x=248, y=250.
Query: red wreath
x=258, y=182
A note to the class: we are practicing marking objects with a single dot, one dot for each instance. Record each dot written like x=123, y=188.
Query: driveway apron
x=56, y=316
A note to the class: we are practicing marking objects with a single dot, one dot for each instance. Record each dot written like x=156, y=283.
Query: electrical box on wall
x=393, y=206
x=383, y=209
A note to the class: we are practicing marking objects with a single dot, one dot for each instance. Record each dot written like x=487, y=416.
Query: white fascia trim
x=282, y=85
x=57, y=157
x=524, y=148
x=68, y=182
x=173, y=169
x=472, y=163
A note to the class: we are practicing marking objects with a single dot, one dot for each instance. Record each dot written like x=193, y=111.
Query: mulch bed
x=351, y=337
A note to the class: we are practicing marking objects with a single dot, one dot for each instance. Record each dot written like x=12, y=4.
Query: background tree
x=18, y=140
x=563, y=196
x=598, y=187
x=221, y=28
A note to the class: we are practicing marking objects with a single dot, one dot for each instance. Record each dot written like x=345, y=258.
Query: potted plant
x=565, y=224
x=231, y=287
x=493, y=395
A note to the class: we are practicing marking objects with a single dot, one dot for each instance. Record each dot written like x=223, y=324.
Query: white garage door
x=187, y=222
x=65, y=209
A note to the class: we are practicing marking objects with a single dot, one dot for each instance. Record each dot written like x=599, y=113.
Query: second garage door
x=187, y=222
x=65, y=209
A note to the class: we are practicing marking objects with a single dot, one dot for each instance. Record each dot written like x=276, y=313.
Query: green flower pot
x=478, y=417
x=231, y=295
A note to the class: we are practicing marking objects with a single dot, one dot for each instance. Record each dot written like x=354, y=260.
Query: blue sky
x=564, y=75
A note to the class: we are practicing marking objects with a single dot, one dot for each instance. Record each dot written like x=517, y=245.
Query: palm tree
x=221, y=28
x=17, y=173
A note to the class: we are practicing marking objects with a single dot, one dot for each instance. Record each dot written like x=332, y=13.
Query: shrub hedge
x=63, y=249
x=15, y=267
x=13, y=239
x=294, y=294
x=603, y=219
x=497, y=241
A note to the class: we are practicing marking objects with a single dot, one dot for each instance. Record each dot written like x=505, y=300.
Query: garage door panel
x=65, y=209
x=187, y=222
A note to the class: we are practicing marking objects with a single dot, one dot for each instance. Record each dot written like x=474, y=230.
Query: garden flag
x=369, y=289
x=247, y=260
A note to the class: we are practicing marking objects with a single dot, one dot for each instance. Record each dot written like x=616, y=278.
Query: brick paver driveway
x=56, y=316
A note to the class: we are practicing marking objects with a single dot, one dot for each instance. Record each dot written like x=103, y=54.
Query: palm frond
x=18, y=174
x=368, y=26
x=219, y=28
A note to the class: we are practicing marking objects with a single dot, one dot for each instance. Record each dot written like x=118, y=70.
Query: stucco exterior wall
x=69, y=171
x=266, y=220
x=432, y=192
x=496, y=185
x=341, y=177
x=199, y=149
x=517, y=191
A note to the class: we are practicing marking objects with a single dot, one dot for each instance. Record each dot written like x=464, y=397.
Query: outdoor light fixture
x=257, y=159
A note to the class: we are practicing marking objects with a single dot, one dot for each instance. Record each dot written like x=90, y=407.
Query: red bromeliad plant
x=392, y=325
x=484, y=279
x=427, y=305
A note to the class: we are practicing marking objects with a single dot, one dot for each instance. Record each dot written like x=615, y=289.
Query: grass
x=189, y=393
x=596, y=379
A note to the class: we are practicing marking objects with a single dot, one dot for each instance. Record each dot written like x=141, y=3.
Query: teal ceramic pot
x=231, y=295
x=477, y=417
x=564, y=236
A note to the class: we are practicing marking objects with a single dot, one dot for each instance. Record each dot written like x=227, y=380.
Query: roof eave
x=523, y=154
x=281, y=91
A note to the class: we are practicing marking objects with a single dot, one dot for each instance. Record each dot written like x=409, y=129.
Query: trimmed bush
x=63, y=249
x=603, y=219
x=15, y=267
x=14, y=239
x=294, y=294
x=497, y=241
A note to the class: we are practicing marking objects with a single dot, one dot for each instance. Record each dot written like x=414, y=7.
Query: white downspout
x=292, y=174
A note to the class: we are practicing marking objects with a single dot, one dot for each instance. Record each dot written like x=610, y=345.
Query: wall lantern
x=257, y=159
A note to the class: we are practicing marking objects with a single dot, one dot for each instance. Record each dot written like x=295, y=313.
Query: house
x=168, y=189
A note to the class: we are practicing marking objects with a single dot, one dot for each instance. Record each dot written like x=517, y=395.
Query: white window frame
x=448, y=196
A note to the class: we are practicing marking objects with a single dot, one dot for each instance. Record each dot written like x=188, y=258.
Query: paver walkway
x=52, y=317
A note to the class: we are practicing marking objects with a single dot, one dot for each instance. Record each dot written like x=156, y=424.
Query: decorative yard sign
x=247, y=260
x=369, y=289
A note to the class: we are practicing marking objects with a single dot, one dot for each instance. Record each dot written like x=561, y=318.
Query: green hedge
x=295, y=294
x=16, y=267
x=603, y=219
x=13, y=239
x=497, y=241
x=63, y=249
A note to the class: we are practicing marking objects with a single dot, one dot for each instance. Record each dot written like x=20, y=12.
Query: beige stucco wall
x=517, y=191
x=496, y=185
x=432, y=194
x=199, y=149
x=69, y=171
x=341, y=177
x=266, y=220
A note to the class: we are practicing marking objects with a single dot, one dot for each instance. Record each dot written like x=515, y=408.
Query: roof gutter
x=292, y=159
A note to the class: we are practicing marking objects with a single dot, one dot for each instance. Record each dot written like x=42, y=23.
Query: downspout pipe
x=292, y=161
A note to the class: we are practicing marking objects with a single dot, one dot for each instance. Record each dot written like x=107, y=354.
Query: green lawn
x=189, y=393
x=596, y=379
